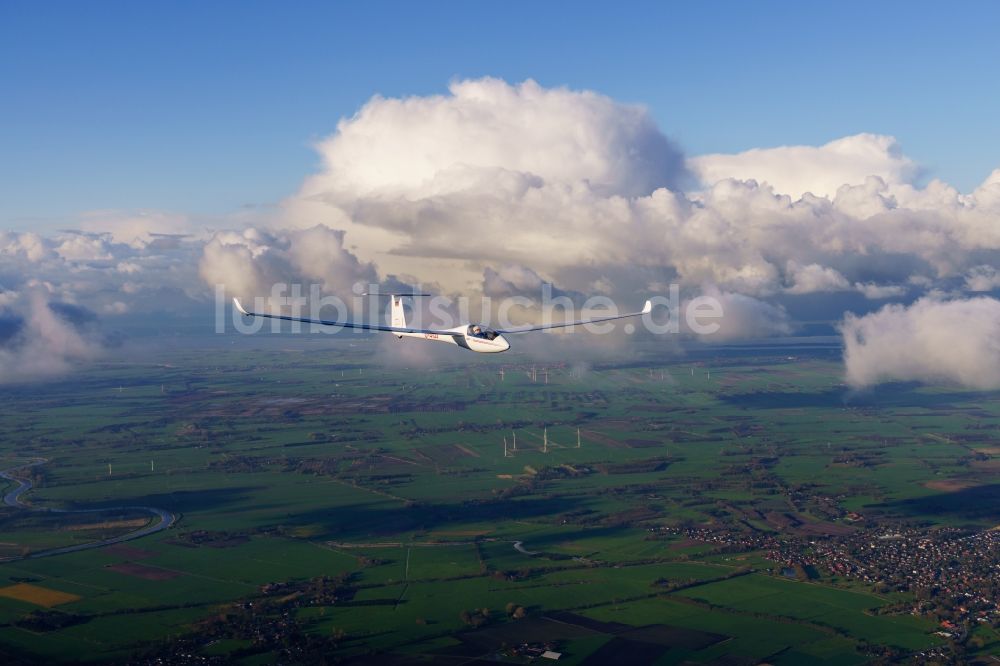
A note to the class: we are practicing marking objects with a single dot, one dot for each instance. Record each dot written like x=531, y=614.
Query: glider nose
x=503, y=342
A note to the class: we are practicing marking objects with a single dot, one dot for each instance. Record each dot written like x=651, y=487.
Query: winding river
x=13, y=499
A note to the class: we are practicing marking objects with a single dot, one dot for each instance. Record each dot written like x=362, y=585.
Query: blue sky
x=201, y=108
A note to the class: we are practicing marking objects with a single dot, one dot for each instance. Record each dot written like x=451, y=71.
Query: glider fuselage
x=485, y=342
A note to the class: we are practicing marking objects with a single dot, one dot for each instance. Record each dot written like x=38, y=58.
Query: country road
x=13, y=499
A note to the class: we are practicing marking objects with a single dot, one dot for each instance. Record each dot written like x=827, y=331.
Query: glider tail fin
x=398, y=313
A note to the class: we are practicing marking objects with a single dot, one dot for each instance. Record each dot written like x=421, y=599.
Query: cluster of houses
x=954, y=574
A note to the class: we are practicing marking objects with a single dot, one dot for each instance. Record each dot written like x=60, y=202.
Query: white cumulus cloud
x=982, y=278
x=877, y=292
x=422, y=147
x=814, y=278
x=818, y=170
x=932, y=340
x=248, y=263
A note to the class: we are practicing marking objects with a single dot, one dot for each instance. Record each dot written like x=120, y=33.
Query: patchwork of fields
x=332, y=504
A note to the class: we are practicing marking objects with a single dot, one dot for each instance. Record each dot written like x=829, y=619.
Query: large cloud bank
x=494, y=189
x=587, y=193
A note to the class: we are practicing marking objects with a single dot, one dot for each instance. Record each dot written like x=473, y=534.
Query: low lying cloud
x=743, y=317
x=932, y=340
x=41, y=338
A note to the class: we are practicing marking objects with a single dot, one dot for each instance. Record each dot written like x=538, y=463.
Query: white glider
x=473, y=337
